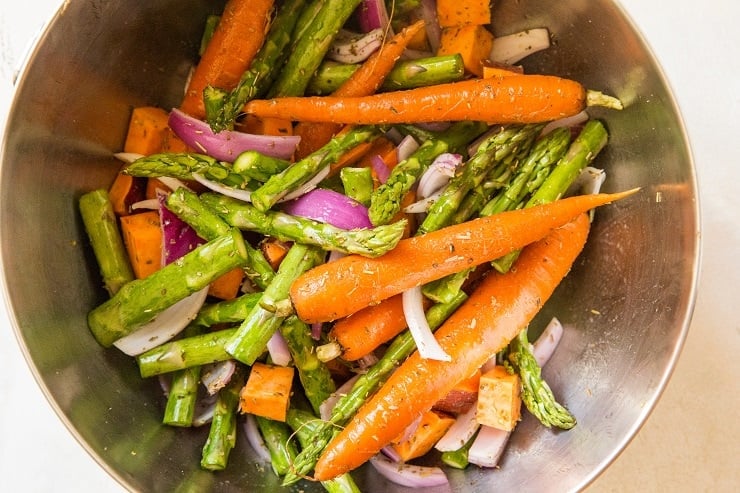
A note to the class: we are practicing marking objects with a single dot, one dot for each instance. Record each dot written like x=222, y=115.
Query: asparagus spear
x=222, y=433
x=458, y=458
x=277, y=437
x=371, y=242
x=491, y=152
x=305, y=426
x=141, y=300
x=314, y=375
x=251, y=338
x=357, y=183
x=407, y=74
x=401, y=347
x=581, y=153
x=529, y=175
x=207, y=224
x=258, y=166
x=281, y=184
x=105, y=237
x=385, y=202
x=227, y=311
x=188, y=352
x=183, y=165
x=311, y=46
x=536, y=393
x=222, y=107
x=183, y=393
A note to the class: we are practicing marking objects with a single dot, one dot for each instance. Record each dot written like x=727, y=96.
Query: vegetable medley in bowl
x=332, y=256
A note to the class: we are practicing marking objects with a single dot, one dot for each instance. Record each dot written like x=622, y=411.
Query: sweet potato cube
x=267, y=392
x=142, y=236
x=146, y=130
x=472, y=42
x=228, y=285
x=460, y=12
x=499, y=399
x=431, y=428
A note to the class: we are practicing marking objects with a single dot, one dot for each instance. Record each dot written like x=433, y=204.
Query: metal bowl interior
x=626, y=304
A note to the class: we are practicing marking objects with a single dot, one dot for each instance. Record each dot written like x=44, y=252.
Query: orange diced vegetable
x=431, y=428
x=499, y=399
x=274, y=251
x=152, y=185
x=473, y=42
x=493, y=70
x=228, y=285
x=124, y=191
x=146, y=130
x=142, y=236
x=267, y=392
x=172, y=143
x=460, y=12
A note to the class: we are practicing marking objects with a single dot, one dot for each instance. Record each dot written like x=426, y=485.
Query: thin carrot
x=362, y=332
x=363, y=82
x=496, y=311
x=337, y=289
x=236, y=40
x=516, y=99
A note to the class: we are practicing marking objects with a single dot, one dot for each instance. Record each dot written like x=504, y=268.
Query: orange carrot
x=142, y=236
x=267, y=392
x=337, y=289
x=363, y=82
x=515, y=99
x=274, y=251
x=236, y=40
x=227, y=286
x=496, y=311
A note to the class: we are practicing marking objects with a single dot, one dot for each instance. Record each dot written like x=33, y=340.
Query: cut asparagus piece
x=141, y=300
x=222, y=433
x=187, y=352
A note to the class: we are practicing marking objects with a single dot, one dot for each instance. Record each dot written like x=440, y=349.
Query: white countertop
x=691, y=442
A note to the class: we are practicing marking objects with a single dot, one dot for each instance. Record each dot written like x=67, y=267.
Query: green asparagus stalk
x=314, y=375
x=385, y=202
x=306, y=425
x=536, y=393
x=401, y=347
x=105, y=237
x=258, y=166
x=222, y=433
x=183, y=165
x=490, y=153
x=227, y=311
x=281, y=184
x=277, y=437
x=141, y=300
x=208, y=29
x=581, y=153
x=357, y=183
x=311, y=46
x=222, y=107
x=407, y=74
x=183, y=393
x=251, y=338
x=527, y=178
x=188, y=352
x=370, y=242
x=208, y=225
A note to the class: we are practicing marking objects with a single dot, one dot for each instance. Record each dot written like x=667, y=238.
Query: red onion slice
x=407, y=474
x=255, y=439
x=460, y=432
x=164, y=326
x=204, y=409
x=278, y=349
x=228, y=144
x=308, y=186
x=406, y=148
x=431, y=23
x=382, y=171
x=488, y=446
x=234, y=193
x=329, y=207
x=512, y=48
x=426, y=344
x=326, y=407
x=568, y=121
x=545, y=345
x=215, y=376
x=439, y=173
x=178, y=238
x=373, y=14
x=352, y=48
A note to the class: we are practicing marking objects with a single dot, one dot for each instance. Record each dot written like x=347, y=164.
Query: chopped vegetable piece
x=142, y=235
x=267, y=392
x=472, y=42
x=459, y=12
x=499, y=399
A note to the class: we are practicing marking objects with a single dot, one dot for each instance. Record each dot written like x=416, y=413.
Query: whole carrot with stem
x=235, y=41
x=531, y=98
x=501, y=306
x=337, y=289
x=363, y=82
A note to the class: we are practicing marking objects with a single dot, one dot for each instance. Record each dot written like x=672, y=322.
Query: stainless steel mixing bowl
x=626, y=304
